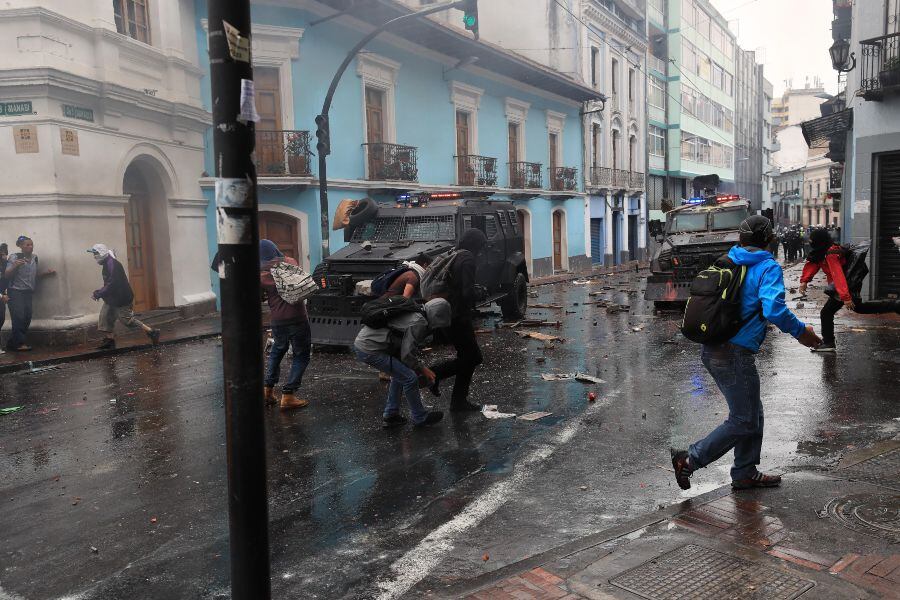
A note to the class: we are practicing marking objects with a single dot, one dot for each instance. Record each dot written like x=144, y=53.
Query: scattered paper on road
x=533, y=416
x=490, y=411
x=582, y=377
x=536, y=335
x=585, y=378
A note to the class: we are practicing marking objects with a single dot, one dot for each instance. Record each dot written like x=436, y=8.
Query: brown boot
x=269, y=395
x=289, y=401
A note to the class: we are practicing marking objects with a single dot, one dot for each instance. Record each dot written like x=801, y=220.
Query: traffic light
x=470, y=16
x=323, y=134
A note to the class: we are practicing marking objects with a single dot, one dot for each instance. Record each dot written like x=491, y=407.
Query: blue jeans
x=734, y=370
x=298, y=337
x=20, y=314
x=403, y=381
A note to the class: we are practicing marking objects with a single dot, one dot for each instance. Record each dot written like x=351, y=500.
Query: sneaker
x=153, y=334
x=825, y=347
x=435, y=388
x=431, y=418
x=464, y=406
x=107, y=344
x=758, y=480
x=681, y=462
x=391, y=421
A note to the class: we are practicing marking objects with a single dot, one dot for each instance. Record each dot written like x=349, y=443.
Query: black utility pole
x=323, y=133
x=238, y=237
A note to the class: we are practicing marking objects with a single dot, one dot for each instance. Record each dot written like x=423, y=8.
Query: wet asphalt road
x=359, y=512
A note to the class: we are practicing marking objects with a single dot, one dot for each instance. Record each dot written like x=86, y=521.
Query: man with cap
x=827, y=255
x=117, y=297
x=733, y=364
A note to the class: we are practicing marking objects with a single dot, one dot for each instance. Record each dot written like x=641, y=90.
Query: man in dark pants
x=733, y=365
x=463, y=296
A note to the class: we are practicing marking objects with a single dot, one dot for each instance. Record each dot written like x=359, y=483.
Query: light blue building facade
x=424, y=110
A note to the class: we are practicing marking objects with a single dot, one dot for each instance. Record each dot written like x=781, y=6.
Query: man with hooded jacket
x=733, y=364
x=117, y=297
x=462, y=297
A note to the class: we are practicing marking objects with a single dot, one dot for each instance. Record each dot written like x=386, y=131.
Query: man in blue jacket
x=733, y=365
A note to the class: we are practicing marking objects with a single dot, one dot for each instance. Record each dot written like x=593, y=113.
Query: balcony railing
x=657, y=63
x=392, y=162
x=282, y=153
x=604, y=177
x=880, y=66
x=525, y=175
x=475, y=170
x=562, y=179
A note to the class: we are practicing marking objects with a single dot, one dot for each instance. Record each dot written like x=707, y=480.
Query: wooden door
x=282, y=230
x=553, y=142
x=139, y=240
x=515, y=176
x=269, y=137
x=375, y=130
x=557, y=241
x=465, y=172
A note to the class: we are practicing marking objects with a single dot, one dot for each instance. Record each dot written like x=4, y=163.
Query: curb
x=470, y=586
x=629, y=267
x=31, y=364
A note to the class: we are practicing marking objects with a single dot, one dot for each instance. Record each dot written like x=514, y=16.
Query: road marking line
x=418, y=562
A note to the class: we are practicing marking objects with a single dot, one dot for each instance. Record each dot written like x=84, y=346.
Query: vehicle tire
x=365, y=210
x=515, y=304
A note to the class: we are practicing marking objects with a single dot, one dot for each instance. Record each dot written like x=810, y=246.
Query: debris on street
x=533, y=416
x=585, y=378
x=490, y=411
x=9, y=410
x=550, y=306
x=536, y=335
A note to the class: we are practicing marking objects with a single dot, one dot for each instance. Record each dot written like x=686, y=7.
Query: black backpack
x=379, y=312
x=855, y=267
x=713, y=311
x=381, y=283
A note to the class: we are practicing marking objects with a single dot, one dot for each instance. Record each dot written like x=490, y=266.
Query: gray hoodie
x=413, y=330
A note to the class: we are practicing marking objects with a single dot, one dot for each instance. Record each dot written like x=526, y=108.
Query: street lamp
x=841, y=56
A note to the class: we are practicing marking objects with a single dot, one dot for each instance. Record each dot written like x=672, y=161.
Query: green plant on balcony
x=889, y=76
x=296, y=148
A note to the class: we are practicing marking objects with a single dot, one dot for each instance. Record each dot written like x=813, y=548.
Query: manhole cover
x=873, y=514
x=696, y=572
x=883, y=469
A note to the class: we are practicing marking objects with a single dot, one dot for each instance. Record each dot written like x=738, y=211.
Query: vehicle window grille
x=491, y=227
x=381, y=229
x=425, y=228
x=467, y=222
x=503, y=218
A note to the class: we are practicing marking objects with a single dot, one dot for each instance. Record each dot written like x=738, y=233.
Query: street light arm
x=326, y=105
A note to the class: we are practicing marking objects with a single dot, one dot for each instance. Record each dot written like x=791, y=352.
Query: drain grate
x=883, y=469
x=696, y=572
x=873, y=514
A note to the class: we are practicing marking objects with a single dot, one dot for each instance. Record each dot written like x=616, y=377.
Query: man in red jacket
x=828, y=256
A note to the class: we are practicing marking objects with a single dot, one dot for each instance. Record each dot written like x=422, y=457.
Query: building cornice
x=129, y=99
x=608, y=23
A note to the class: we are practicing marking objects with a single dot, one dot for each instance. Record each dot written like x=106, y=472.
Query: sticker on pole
x=233, y=193
x=238, y=46
x=248, y=102
x=233, y=229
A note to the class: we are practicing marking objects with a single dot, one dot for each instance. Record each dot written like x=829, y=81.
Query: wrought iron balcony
x=562, y=179
x=282, y=153
x=392, y=162
x=880, y=72
x=636, y=180
x=475, y=170
x=601, y=176
x=525, y=175
x=604, y=177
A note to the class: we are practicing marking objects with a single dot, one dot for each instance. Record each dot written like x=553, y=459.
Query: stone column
x=642, y=226
x=625, y=256
x=608, y=238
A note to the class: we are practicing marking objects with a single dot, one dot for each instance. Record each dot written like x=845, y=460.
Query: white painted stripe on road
x=417, y=563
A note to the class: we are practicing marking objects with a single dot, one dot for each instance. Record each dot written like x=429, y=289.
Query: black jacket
x=116, y=290
x=462, y=274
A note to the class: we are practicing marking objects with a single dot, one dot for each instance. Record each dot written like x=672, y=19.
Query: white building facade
x=103, y=127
